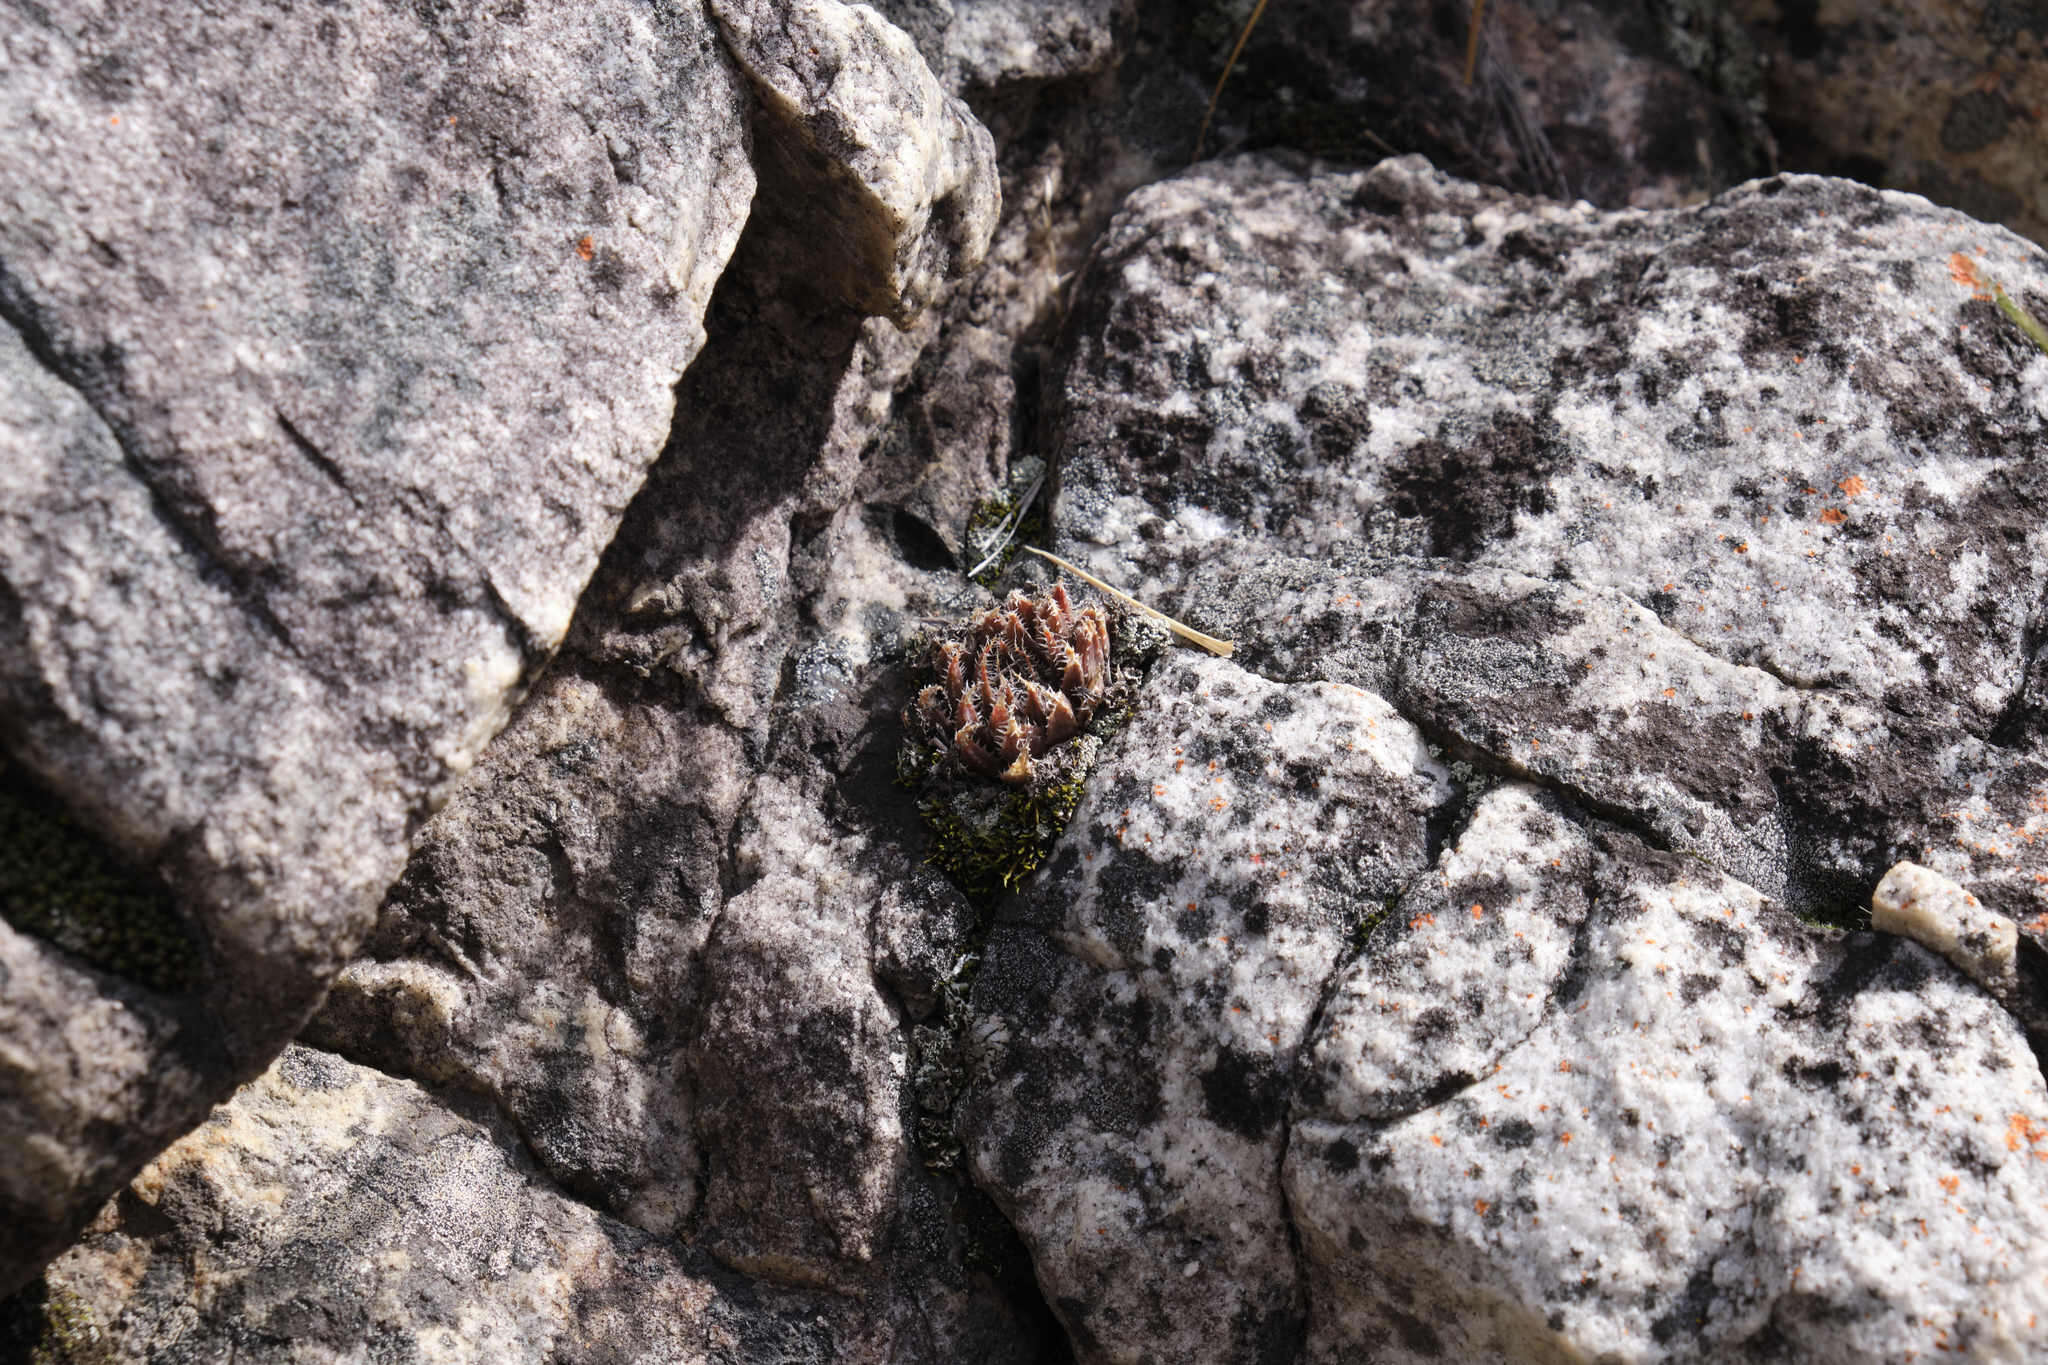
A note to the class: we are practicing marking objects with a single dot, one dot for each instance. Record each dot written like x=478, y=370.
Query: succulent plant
x=1025, y=677
x=999, y=742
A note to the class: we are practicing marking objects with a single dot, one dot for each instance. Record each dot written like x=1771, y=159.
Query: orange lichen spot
x=586, y=248
x=1743, y=548
x=2021, y=1131
x=1479, y=1207
x=1963, y=271
x=1670, y=691
x=1949, y=1183
x=1852, y=486
x=1564, y=1137
x=1435, y=1140
x=1833, y=516
x=1564, y=1066
x=1478, y=912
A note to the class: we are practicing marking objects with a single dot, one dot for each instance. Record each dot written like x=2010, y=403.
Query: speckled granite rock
x=1139, y=1013
x=670, y=936
x=1487, y=458
x=884, y=167
x=1582, y=1100
x=1773, y=430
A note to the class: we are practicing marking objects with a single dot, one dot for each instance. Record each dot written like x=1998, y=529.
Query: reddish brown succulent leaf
x=1024, y=677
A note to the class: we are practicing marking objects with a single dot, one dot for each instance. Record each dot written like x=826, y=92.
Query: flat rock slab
x=1588, y=1100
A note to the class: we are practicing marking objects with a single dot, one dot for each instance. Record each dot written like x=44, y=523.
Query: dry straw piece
x=1220, y=648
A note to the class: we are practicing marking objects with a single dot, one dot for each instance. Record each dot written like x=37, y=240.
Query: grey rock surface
x=333, y=1213
x=1590, y=1100
x=667, y=957
x=1361, y=425
x=331, y=369
x=1773, y=430
x=895, y=174
x=1138, y=1014
x=1941, y=99
x=333, y=353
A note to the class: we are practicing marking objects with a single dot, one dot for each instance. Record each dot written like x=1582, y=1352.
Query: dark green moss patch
x=42, y=1325
x=60, y=883
x=988, y=837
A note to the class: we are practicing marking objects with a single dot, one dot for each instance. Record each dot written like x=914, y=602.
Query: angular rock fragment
x=896, y=177
x=1140, y=1015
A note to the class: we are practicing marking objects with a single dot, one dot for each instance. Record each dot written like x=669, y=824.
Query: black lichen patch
x=1243, y=1094
x=1469, y=491
x=62, y=884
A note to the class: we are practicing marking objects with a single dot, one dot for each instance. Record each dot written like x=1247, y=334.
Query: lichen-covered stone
x=1527, y=474
x=1636, y=1109
x=1140, y=1014
x=1461, y=399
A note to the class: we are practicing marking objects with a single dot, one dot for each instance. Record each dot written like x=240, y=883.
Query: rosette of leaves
x=1000, y=742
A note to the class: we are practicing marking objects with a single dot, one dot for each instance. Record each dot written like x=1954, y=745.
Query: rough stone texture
x=671, y=937
x=298, y=511
x=1591, y=1101
x=332, y=1213
x=310, y=451
x=1547, y=481
x=1773, y=431
x=1947, y=98
x=901, y=176
x=1139, y=1014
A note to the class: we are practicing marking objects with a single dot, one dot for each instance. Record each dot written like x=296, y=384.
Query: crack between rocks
x=20, y=314
x=2009, y=730
x=316, y=457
